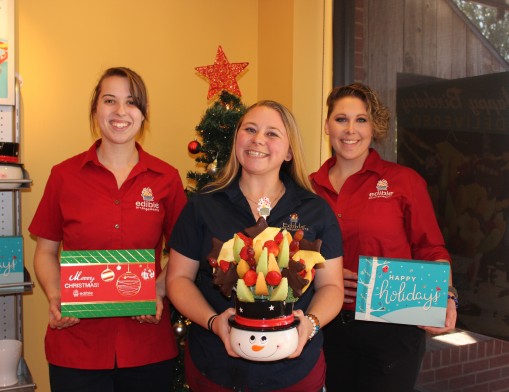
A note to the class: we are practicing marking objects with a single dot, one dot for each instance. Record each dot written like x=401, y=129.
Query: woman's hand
x=55, y=316
x=222, y=329
x=152, y=319
x=350, y=282
x=450, y=320
x=160, y=295
x=47, y=270
x=304, y=330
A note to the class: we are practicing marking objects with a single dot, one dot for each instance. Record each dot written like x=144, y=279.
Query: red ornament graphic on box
x=128, y=284
x=107, y=275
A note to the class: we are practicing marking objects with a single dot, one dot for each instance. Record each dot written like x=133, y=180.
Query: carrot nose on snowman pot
x=264, y=330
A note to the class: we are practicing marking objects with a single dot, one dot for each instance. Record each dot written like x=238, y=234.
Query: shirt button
x=339, y=215
x=117, y=201
x=117, y=226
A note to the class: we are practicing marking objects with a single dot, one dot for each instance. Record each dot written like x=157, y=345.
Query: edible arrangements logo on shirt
x=382, y=187
x=147, y=203
x=293, y=223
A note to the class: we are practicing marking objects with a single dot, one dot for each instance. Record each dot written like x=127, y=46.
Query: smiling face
x=264, y=346
x=350, y=129
x=262, y=143
x=117, y=115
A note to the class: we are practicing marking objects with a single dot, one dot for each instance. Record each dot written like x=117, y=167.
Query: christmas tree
x=216, y=131
x=217, y=126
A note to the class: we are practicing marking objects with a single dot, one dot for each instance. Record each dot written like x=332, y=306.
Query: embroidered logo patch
x=148, y=203
x=293, y=223
x=382, y=187
x=146, y=194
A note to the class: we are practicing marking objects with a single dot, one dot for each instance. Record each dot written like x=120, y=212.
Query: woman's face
x=349, y=129
x=117, y=116
x=262, y=143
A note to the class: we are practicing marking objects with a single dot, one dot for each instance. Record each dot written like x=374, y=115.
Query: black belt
x=346, y=316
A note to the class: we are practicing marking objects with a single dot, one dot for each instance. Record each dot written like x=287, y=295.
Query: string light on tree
x=212, y=168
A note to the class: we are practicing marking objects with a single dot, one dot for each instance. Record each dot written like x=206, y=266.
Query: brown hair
x=138, y=92
x=295, y=167
x=378, y=114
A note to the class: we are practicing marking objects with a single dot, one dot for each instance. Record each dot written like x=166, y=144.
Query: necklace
x=264, y=204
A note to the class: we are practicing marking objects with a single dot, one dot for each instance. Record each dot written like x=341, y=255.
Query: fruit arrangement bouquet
x=269, y=269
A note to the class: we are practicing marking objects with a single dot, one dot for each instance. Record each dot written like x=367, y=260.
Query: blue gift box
x=402, y=291
x=11, y=260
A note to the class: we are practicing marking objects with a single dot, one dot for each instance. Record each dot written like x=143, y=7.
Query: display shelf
x=11, y=294
x=16, y=288
x=24, y=287
x=16, y=184
x=25, y=383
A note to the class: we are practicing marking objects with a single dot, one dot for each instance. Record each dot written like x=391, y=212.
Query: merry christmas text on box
x=402, y=291
x=107, y=283
x=11, y=261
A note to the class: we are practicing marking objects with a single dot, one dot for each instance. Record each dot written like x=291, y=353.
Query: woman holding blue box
x=360, y=355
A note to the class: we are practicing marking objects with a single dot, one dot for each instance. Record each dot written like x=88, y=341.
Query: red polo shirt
x=83, y=207
x=383, y=210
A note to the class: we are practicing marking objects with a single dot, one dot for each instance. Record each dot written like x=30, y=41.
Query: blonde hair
x=378, y=114
x=295, y=167
x=138, y=92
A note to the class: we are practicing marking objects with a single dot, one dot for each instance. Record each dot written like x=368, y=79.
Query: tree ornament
x=194, y=147
x=179, y=329
x=212, y=168
x=222, y=74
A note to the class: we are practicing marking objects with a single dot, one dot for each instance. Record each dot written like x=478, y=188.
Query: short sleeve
x=187, y=233
x=48, y=220
x=332, y=241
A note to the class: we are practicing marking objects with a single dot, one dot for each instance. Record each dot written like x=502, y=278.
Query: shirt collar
x=372, y=163
x=146, y=161
x=293, y=191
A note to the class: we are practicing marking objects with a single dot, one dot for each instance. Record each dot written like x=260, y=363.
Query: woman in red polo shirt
x=360, y=355
x=92, y=202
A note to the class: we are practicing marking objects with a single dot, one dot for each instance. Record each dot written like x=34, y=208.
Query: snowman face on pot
x=264, y=345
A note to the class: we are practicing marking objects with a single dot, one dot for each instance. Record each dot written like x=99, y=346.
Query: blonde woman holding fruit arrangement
x=91, y=202
x=362, y=355
x=266, y=161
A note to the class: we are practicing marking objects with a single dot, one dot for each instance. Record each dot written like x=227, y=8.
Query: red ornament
x=194, y=147
x=222, y=75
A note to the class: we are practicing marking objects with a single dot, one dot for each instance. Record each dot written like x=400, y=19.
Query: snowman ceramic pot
x=263, y=330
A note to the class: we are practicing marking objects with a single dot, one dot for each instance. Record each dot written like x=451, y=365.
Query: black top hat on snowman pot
x=263, y=315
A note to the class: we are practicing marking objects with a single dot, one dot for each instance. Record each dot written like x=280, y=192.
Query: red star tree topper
x=222, y=75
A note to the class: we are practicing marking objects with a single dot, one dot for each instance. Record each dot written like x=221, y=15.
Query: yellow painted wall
x=275, y=75
x=63, y=46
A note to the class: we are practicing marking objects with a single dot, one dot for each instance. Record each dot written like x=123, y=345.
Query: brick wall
x=359, y=71
x=467, y=362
